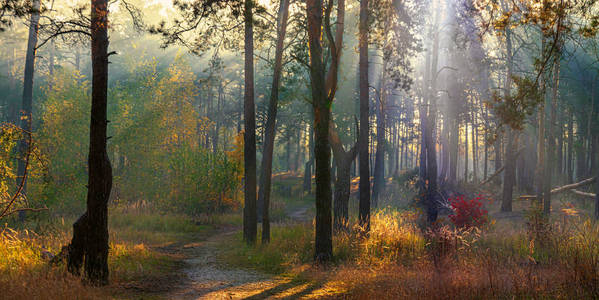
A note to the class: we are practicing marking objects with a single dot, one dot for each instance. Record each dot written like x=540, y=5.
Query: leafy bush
x=468, y=213
x=157, y=158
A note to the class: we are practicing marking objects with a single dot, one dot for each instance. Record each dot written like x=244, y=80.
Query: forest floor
x=204, y=275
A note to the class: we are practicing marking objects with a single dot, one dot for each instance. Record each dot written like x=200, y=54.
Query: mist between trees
x=461, y=114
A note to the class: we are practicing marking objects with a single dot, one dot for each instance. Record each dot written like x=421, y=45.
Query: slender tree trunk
x=560, y=147
x=509, y=173
x=540, y=152
x=484, y=113
x=298, y=151
x=570, y=156
x=218, y=115
x=364, y=213
x=497, y=149
x=322, y=151
x=551, y=139
x=341, y=198
x=453, y=145
x=596, y=170
x=266, y=170
x=343, y=161
x=379, y=160
x=512, y=138
x=90, y=232
x=25, y=113
x=249, y=147
x=309, y=163
x=473, y=142
x=465, y=151
x=444, y=149
x=431, y=126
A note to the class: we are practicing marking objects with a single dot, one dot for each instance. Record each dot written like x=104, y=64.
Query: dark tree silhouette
x=90, y=231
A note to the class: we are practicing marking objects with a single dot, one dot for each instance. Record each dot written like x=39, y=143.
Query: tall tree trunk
x=560, y=147
x=323, y=244
x=90, y=232
x=310, y=162
x=218, y=117
x=298, y=151
x=269, y=140
x=551, y=139
x=596, y=170
x=25, y=114
x=453, y=147
x=343, y=161
x=249, y=146
x=509, y=173
x=444, y=150
x=473, y=143
x=379, y=160
x=364, y=212
x=484, y=113
x=465, y=151
x=540, y=152
x=497, y=150
x=512, y=138
x=570, y=156
x=431, y=125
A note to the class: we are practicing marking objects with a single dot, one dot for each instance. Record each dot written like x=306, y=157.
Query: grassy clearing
x=557, y=258
x=142, y=254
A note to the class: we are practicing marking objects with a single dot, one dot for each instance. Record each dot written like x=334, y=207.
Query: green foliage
x=63, y=143
x=514, y=109
x=154, y=147
x=207, y=182
x=8, y=138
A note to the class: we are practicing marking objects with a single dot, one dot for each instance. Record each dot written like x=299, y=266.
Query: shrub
x=468, y=213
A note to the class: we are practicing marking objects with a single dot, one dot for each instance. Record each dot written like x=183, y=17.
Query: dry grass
x=134, y=261
x=544, y=259
x=25, y=274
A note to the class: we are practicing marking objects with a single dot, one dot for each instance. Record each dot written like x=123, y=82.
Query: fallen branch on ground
x=584, y=194
x=564, y=188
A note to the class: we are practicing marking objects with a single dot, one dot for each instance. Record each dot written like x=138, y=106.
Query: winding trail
x=207, y=278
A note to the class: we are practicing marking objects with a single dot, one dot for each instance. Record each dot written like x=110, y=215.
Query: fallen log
x=584, y=194
x=492, y=176
x=560, y=189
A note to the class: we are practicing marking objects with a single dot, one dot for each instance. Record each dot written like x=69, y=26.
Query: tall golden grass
x=399, y=260
x=25, y=271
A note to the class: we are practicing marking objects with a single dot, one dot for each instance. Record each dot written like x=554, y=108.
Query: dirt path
x=207, y=278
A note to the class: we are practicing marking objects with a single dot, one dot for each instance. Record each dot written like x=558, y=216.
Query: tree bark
x=249, y=147
x=25, y=113
x=379, y=158
x=597, y=185
x=323, y=244
x=570, y=156
x=309, y=163
x=509, y=176
x=512, y=138
x=265, y=177
x=343, y=162
x=364, y=212
x=551, y=138
x=90, y=232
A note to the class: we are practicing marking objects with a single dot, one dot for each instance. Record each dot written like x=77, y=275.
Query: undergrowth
x=556, y=258
x=25, y=272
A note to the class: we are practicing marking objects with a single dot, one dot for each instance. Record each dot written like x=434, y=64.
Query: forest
x=285, y=149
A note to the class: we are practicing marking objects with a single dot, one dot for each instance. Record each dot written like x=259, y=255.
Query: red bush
x=468, y=213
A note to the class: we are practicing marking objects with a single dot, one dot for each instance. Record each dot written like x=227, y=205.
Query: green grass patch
x=290, y=245
x=153, y=228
